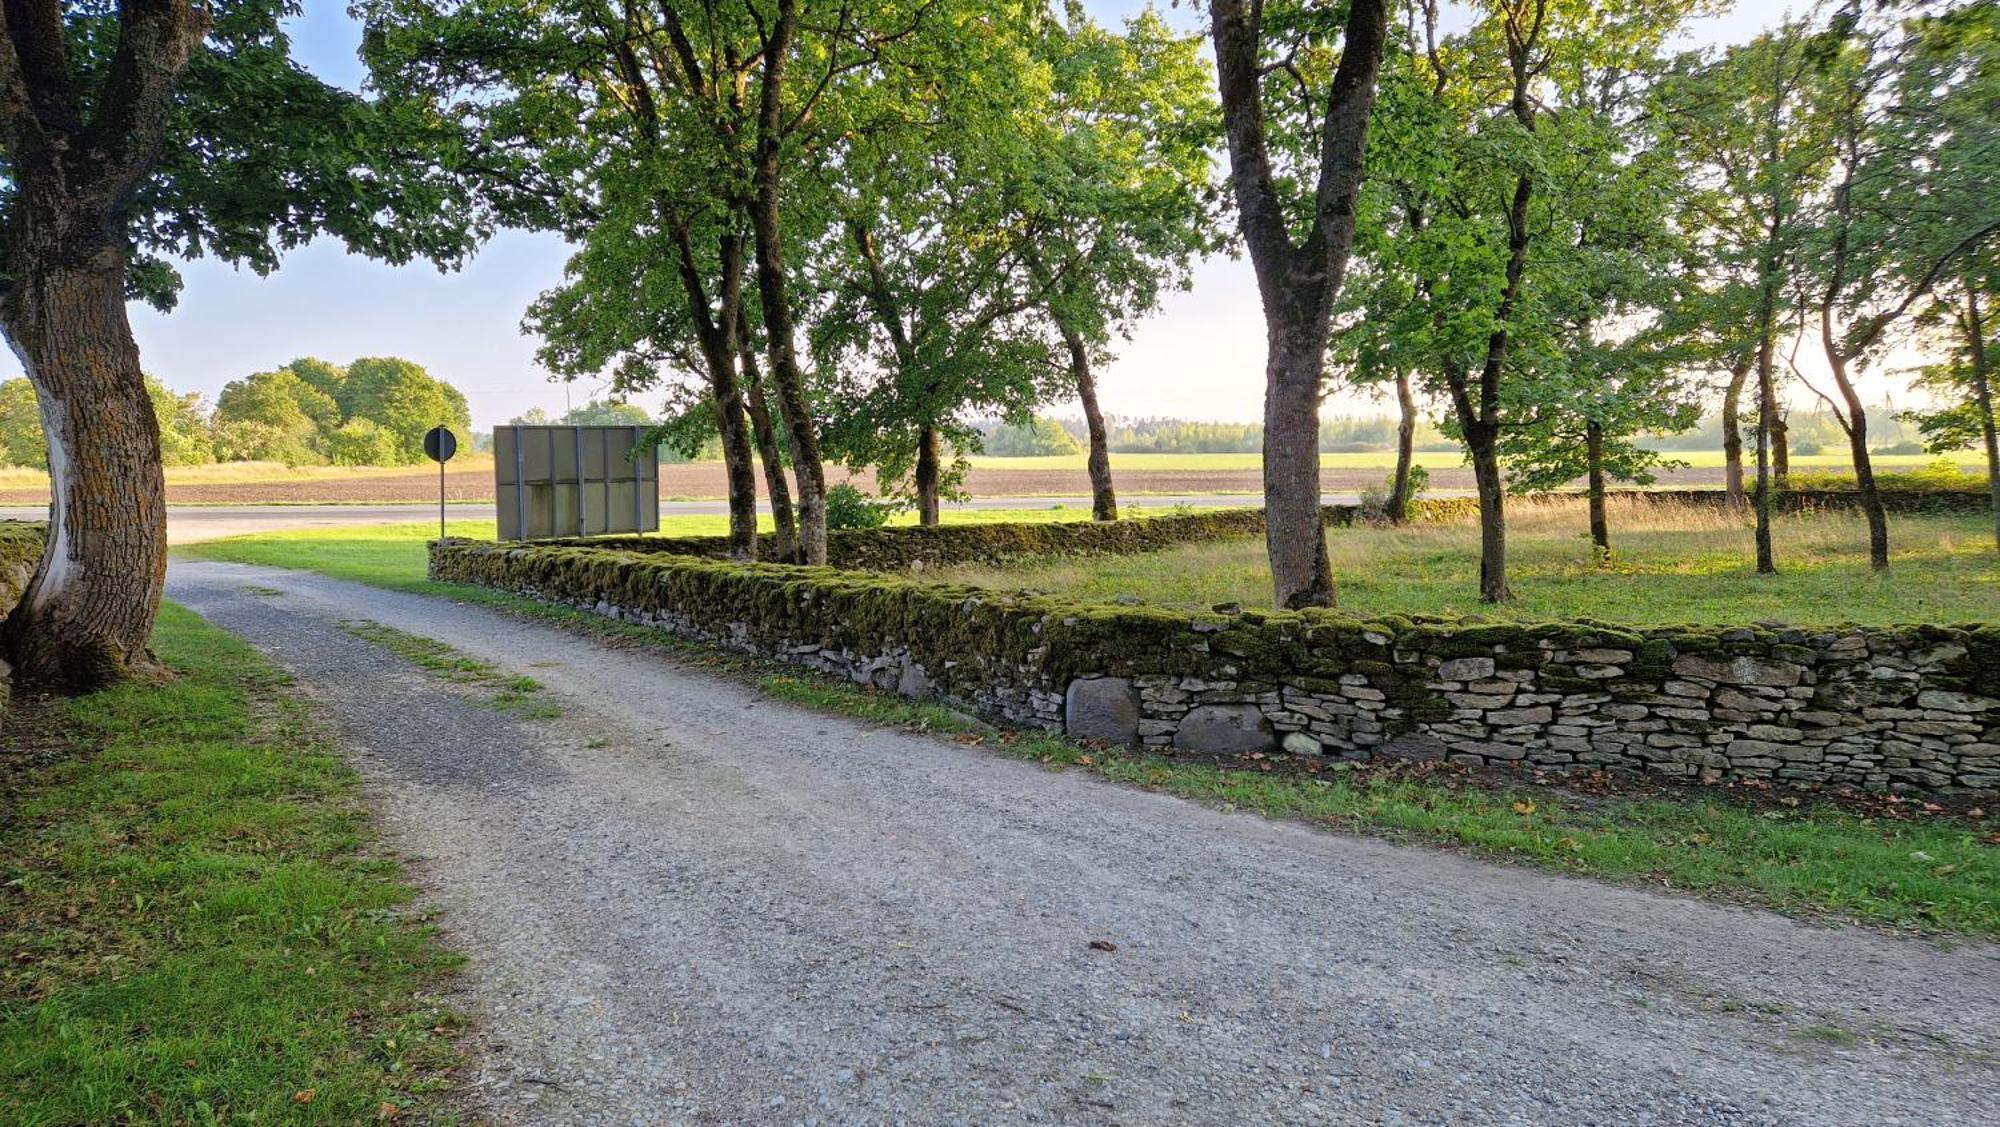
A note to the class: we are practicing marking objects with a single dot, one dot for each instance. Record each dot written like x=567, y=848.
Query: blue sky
x=1201, y=356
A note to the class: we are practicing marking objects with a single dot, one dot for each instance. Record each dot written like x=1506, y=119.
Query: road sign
x=440, y=444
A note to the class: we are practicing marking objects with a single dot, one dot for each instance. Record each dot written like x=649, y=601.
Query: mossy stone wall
x=1908, y=708
x=20, y=553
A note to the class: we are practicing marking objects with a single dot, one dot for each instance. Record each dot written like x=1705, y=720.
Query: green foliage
x=185, y=427
x=849, y=508
x=1940, y=476
x=404, y=400
x=1037, y=437
x=362, y=442
x=274, y=417
x=201, y=926
x=21, y=441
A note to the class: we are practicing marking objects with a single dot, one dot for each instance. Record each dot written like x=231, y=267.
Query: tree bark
x=1732, y=433
x=1397, y=507
x=86, y=616
x=1298, y=281
x=74, y=159
x=1483, y=443
x=718, y=329
x=774, y=290
x=1103, y=500
x=1781, y=448
x=1982, y=397
x=785, y=539
x=1767, y=416
x=1855, y=423
x=930, y=471
x=1593, y=452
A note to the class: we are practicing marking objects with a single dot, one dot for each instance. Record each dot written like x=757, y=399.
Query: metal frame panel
x=551, y=481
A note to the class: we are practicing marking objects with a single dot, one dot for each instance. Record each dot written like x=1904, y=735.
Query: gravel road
x=684, y=902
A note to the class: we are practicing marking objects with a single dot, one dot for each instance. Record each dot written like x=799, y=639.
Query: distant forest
x=1811, y=432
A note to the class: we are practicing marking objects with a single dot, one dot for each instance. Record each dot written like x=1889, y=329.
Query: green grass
x=521, y=696
x=1671, y=564
x=197, y=925
x=1924, y=873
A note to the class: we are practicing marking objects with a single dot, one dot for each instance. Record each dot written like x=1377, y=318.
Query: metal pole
x=582, y=513
x=440, y=499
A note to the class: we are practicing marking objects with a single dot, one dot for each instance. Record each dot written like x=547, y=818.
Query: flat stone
x=1102, y=708
x=914, y=682
x=1511, y=717
x=1738, y=670
x=1465, y=669
x=1953, y=702
x=1298, y=743
x=1225, y=729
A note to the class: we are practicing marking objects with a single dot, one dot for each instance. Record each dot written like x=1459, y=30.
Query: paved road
x=187, y=523
x=685, y=902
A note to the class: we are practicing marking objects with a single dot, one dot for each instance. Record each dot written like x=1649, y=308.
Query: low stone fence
x=913, y=548
x=1908, y=708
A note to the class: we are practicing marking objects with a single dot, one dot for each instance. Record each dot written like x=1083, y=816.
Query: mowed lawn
x=1838, y=461
x=1671, y=563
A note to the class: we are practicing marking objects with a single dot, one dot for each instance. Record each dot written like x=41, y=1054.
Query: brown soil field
x=704, y=481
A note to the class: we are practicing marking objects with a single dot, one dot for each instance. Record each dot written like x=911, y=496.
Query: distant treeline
x=373, y=412
x=1810, y=432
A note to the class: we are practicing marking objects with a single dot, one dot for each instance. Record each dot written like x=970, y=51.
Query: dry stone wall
x=1914, y=708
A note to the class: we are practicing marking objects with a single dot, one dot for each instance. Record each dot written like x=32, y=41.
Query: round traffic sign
x=440, y=444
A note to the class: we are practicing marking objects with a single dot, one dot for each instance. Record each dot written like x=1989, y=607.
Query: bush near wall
x=1914, y=708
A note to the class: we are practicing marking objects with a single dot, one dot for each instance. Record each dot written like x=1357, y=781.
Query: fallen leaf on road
x=1103, y=945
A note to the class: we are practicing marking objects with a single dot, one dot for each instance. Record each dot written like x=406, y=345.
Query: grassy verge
x=196, y=927
x=519, y=695
x=1894, y=864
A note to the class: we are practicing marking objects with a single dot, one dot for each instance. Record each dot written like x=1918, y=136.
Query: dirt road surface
x=686, y=902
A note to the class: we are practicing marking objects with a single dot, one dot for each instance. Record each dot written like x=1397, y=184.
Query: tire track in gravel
x=686, y=902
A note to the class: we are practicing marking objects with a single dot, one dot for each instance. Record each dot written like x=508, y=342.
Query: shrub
x=848, y=507
x=1940, y=476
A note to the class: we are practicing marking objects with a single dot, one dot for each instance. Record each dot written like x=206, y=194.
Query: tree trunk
x=1767, y=416
x=1483, y=441
x=736, y=463
x=1294, y=528
x=1298, y=281
x=774, y=289
x=785, y=539
x=1781, y=448
x=1856, y=425
x=1732, y=434
x=930, y=454
x=1982, y=397
x=1397, y=507
x=1593, y=452
x=86, y=616
x=1103, y=501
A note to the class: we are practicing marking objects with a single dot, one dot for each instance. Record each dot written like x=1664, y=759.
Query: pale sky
x=1200, y=357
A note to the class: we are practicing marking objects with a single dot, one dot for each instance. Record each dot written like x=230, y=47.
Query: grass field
x=1672, y=563
x=200, y=925
x=1384, y=459
x=251, y=473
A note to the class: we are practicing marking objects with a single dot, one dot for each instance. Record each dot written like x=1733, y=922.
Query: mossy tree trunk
x=929, y=474
x=718, y=323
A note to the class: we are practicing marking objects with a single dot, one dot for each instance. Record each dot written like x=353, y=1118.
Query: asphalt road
x=683, y=901
x=187, y=523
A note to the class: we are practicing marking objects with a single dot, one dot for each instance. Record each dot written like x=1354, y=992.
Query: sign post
x=440, y=444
